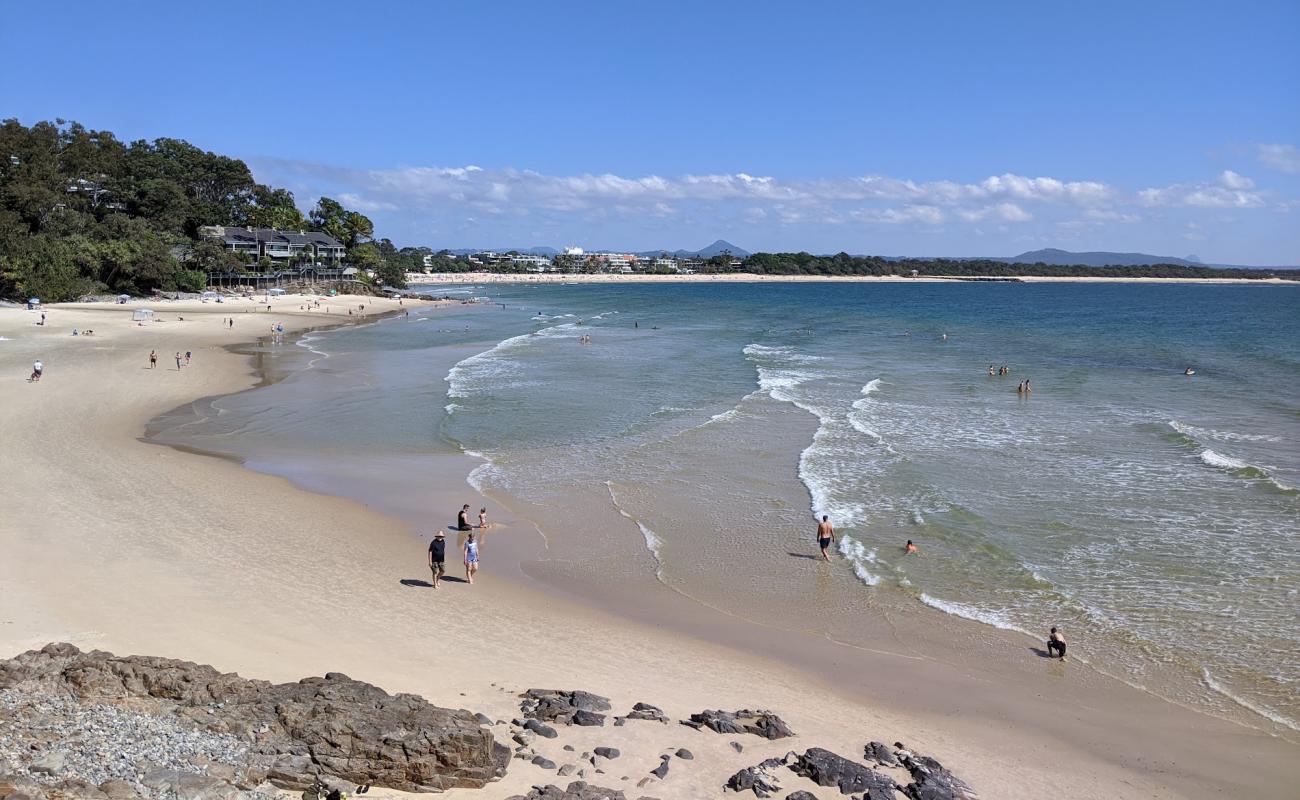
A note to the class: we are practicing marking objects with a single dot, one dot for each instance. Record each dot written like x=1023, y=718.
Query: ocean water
x=1154, y=516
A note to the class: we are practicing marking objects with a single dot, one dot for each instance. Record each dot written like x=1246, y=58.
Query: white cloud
x=926, y=215
x=1281, y=157
x=1230, y=191
x=1232, y=180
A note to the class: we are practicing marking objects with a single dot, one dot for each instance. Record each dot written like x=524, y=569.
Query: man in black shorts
x=1056, y=645
x=438, y=557
x=825, y=536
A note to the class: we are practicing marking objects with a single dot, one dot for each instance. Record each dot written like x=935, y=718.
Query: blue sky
x=942, y=128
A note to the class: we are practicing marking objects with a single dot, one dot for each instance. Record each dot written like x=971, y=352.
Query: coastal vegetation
x=82, y=212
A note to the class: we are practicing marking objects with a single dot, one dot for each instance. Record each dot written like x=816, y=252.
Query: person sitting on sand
x=462, y=519
x=825, y=536
x=438, y=557
x=1056, y=644
x=909, y=549
x=471, y=558
x=38, y=369
x=482, y=517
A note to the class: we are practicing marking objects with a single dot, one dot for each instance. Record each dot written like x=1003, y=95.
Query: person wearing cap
x=438, y=557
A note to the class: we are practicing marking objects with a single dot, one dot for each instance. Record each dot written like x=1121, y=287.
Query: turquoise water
x=1154, y=516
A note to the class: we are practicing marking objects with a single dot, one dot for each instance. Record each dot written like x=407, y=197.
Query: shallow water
x=1152, y=515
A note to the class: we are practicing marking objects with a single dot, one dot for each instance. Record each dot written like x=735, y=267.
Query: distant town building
x=286, y=247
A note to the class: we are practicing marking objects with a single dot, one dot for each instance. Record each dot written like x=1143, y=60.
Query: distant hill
x=717, y=248
x=1052, y=255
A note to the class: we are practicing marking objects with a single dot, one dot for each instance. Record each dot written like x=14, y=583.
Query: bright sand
x=113, y=543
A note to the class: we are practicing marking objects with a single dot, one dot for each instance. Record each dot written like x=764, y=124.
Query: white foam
x=994, y=618
x=1219, y=460
x=652, y=541
x=450, y=408
x=872, y=386
x=1266, y=713
x=859, y=556
x=1223, y=436
x=491, y=367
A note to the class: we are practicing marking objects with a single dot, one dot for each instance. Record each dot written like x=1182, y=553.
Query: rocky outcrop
x=759, y=723
x=761, y=778
x=647, y=712
x=931, y=781
x=291, y=734
x=578, y=790
x=825, y=768
x=880, y=753
x=564, y=707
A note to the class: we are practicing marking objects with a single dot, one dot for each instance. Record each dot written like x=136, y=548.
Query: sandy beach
x=112, y=542
x=436, y=278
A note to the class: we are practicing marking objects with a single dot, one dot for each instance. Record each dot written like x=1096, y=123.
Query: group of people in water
x=469, y=548
x=1022, y=388
x=825, y=537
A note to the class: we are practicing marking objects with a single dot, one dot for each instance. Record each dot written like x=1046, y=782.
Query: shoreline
x=445, y=278
x=268, y=640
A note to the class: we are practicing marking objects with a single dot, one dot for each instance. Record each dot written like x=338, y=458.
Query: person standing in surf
x=825, y=536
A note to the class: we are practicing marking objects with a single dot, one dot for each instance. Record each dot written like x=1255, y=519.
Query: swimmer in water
x=990, y=369
x=909, y=549
x=1189, y=371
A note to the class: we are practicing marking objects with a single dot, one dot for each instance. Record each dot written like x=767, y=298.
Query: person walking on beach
x=825, y=536
x=438, y=557
x=153, y=359
x=471, y=558
x=462, y=519
x=1056, y=644
x=187, y=357
x=178, y=361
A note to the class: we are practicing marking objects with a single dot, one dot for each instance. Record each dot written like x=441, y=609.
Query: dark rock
x=738, y=747
x=540, y=728
x=828, y=769
x=558, y=705
x=758, y=723
x=566, y=770
x=759, y=778
x=588, y=719
x=881, y=754
x=801, y=795
x=660, y=771
x=931, y=781
x=483, y=719
x=543, y=762
x=578, y=790
x=648, y=712
x=607, y=752
x=297, y=731
x=685, y=754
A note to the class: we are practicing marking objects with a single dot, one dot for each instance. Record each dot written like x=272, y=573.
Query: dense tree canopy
x=82, y=212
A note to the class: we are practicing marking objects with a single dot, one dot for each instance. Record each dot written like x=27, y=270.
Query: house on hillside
x=285, y=248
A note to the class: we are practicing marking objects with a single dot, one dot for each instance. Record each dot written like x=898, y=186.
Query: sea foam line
x=859, y=556
x=652, y=541
x=1263, y=711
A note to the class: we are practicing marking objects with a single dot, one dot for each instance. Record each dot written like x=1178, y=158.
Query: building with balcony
x=285, y=248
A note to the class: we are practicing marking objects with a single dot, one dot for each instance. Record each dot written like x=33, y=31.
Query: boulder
x=297, y=731
x=760, y=779
x=685, y=754
x=931, y=781
x=801, y=795
x=578, y=790
x=540, y=728
x=660, y=771
x=647, y=712
x=543, y=762
x=758, y=723
x=607, y=752
x=563, y=706
x=828, y=769
x=880, y=753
